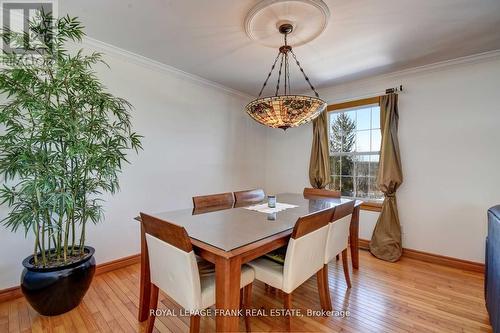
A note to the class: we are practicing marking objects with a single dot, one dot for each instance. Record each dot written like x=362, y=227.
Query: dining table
x=231, y=237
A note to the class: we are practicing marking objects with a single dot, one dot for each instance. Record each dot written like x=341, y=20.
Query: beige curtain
x=386, y=239
x=319, y=165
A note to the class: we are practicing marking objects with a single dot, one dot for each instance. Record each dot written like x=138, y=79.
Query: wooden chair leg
x=153, y=305
x=194, y=324
x=328, y=300
x=324, y=288
x=287, y=302
x=345, y=265
x=247, y=292
x=321, y=287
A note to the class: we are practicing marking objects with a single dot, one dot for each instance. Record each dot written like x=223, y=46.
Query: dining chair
x=317, y=192
x=249, y=196
x=304, y=257
x=221, y=200
x=278, y=255
x=175, y=270
x=336, y=243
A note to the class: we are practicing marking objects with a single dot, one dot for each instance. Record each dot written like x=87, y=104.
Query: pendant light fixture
x=284, y=109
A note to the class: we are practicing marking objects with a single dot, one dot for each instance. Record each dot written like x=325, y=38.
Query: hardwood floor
x=408, y=296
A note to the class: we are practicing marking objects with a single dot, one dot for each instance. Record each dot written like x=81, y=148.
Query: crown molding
x=433, y=67
x=471, y=59
x=156, y=65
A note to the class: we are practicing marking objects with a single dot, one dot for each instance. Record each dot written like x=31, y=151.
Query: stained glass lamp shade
x=286, y=110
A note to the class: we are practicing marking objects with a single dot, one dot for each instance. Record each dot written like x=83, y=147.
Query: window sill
x=371, y=206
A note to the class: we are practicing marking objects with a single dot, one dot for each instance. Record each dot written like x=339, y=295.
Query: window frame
x=368, y=204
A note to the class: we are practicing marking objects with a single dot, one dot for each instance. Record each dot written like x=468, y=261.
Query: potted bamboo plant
x=63, y=141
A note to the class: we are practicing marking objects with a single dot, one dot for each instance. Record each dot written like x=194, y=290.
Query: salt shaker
x=271, y=201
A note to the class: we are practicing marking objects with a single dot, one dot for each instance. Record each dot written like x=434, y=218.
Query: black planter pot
x=53, y=291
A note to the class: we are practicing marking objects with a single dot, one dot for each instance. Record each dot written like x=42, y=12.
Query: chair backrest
x=249, y=196
x=172, y=262
x=306, y=249
x=316, y=192
x=338, y=230
x=222, y=200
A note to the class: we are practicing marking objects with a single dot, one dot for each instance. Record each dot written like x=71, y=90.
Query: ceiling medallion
x=286, y=110
x=308, y=17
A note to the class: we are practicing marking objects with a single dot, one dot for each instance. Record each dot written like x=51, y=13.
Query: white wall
x=197, y=141
x=449, y=140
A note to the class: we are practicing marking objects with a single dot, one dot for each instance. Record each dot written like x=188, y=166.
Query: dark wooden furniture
x=492, y=268
x=231, y=237
x=248, y=197
x=222, y=200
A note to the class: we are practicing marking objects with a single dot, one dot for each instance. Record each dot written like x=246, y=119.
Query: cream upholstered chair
x=321, y=192
x=174, y=269
x=278, y=255
x=338, y=236
x=304, y=256
x=246, y=197
x=336, y=243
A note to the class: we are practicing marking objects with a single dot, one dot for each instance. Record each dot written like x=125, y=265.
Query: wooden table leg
x=227, y=293
x=354, y=237
x=145, y=280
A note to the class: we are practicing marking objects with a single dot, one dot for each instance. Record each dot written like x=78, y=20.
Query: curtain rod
x=355, y=98
x=394, y=90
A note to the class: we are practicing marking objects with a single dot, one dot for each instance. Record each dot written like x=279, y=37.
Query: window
x=354, y=139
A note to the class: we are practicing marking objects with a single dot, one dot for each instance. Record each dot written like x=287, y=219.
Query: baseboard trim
x=10, y=293
x=434, y=258
x=15, y=292
x=118, y=263
x=364, y=244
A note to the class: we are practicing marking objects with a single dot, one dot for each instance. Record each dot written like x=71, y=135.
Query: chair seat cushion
x=268, y=271
x=208, y=285
x=277, y=255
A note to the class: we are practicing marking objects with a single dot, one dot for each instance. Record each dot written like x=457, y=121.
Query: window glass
x=354, y=143
x=363, y=119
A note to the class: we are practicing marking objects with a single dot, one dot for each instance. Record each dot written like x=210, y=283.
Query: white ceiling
x=363, y=37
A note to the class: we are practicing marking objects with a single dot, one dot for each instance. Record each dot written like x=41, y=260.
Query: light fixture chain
x=269, y=74
x=305, y=76
x=287, y=71
x=285, y=76
x=279, y=77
